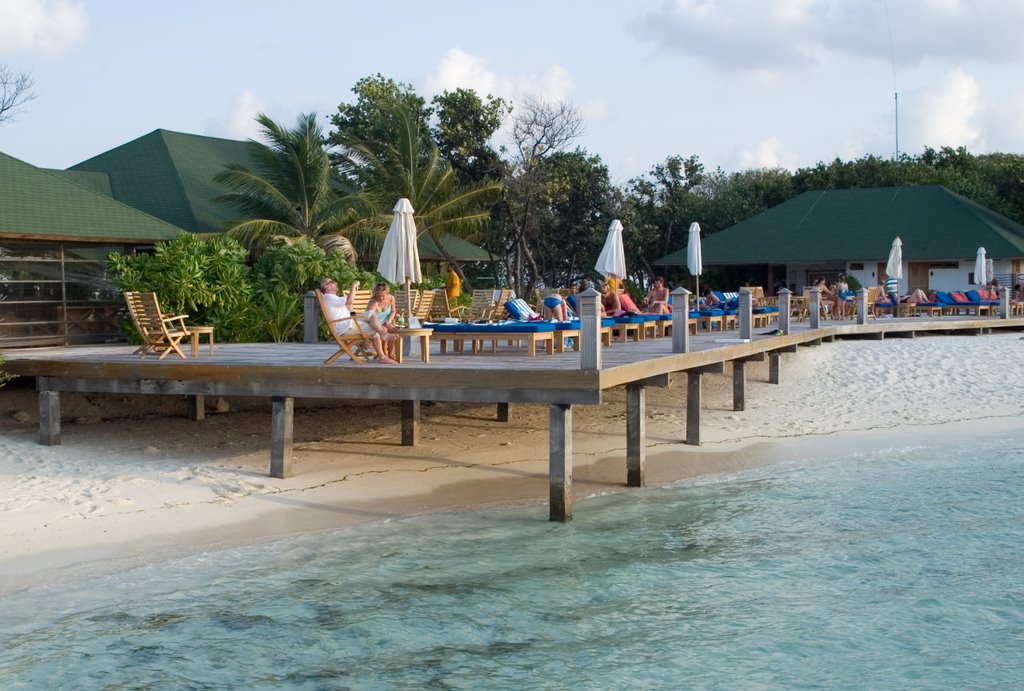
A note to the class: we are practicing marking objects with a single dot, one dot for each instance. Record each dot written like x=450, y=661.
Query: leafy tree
x=411, y=166
x=539, y=130
x=15, y=91
x=581, y=203
x=372, y=117
x=465, y=124
x=292, y=192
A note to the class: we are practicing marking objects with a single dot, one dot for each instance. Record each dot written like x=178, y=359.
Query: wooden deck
x=283, y=372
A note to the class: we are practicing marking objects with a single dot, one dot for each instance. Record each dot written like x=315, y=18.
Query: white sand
x=135, y=480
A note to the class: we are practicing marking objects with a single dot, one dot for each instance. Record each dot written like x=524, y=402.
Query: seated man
x=337, y=309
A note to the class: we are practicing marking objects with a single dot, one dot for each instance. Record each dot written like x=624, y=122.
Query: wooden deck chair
x=425, y=305
x=356, y=343
x=159, y=333
x=441, y=309
x=400, y=301
x=482, y=307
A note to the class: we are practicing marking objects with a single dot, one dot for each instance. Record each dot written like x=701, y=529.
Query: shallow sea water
x=899, y=568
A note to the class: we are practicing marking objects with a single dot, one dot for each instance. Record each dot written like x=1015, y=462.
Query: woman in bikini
x=380, y=314
x=656, y=301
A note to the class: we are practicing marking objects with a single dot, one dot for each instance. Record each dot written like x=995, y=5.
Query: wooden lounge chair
x=357, y=343
x=159, y=333
x=482, y=307
x=441, y=309
x=425, y=305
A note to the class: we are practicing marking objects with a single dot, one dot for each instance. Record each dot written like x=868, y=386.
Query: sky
x=739, y=83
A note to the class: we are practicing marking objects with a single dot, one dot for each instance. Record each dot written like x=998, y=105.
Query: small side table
x=195, y=332
x=424, y=336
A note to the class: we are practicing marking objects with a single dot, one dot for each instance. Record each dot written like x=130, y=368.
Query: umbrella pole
x=408, y=297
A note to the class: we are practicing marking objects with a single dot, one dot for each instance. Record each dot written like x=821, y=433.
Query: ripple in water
x=896, y=569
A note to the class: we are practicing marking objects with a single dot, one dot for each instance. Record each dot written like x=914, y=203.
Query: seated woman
x=380, y=315
x=828, y=295
x=711, y=301
x=555, y=308
x=656, y=301
x=881, y=297
x=338, y=311
x=610, y=304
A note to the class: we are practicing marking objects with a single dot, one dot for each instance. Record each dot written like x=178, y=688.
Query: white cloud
x=766, y=153
x=47, y=27
x=948, y=113
x=240, y=122
x=460, y=70
x=786, y=35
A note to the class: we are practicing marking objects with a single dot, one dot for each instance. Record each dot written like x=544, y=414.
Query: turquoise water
x=895, y=569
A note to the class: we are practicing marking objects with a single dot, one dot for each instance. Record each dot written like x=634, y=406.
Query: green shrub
x=4, y=375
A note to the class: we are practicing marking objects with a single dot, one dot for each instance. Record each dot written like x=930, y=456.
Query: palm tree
x=292, y=192
x=412, y=167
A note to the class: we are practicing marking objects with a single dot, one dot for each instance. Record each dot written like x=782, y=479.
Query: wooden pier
x=283, y=372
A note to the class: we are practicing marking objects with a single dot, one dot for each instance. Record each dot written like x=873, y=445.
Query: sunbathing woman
x=380, y=315
x=610, y=304
x=555, y=308
x=656, y=301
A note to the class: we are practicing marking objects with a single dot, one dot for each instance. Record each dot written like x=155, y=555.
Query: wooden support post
x=739, y=384
x=49, y=418
x=774, y=362
x=197, y=407
x=503, y=411
x=680, y=320
x=693, y=408
x=785, y=310
x=862, y=306
x=636, y=434
x=588, y=304
x=814, y=309
x=282, y=411
x=310, y=318
x=410, y=422
x=745, y=314
x=560, y=462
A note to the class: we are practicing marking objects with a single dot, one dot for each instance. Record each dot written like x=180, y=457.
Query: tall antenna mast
x=895, y=92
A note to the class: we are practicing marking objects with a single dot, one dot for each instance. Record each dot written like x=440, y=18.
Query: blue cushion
x=519, y=310
x=711, y=313
x=498, y=327
x=628, y=319
x=572, y=302
x=973, y=296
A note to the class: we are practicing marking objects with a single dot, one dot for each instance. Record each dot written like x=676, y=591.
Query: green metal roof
x=35, y=203
x=460, y=249
x=859, y=225
x=170, y=175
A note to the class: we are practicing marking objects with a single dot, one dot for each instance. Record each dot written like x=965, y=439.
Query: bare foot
x=388, y=361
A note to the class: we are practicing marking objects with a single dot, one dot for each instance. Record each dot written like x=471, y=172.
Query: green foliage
x=299, y=267
x=280, y=314
x=205, y=279
x=465, y=125
x=292, y=192
x=4, y=375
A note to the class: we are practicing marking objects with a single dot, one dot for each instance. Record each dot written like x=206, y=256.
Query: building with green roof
x=55, y=234
x=170, y=175
x=825, y=233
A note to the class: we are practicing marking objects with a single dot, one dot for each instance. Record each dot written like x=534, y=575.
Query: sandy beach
x=136, y=481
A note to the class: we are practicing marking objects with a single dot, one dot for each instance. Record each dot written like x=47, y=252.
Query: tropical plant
x=4, y=375
x=205, y=279
x=411, y=166
x=292, y=192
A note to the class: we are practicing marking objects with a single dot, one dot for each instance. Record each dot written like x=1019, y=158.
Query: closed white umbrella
x=612, y=260
x=981, y=276
x=894, y=267
x=694, y=262
x=400, y=256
